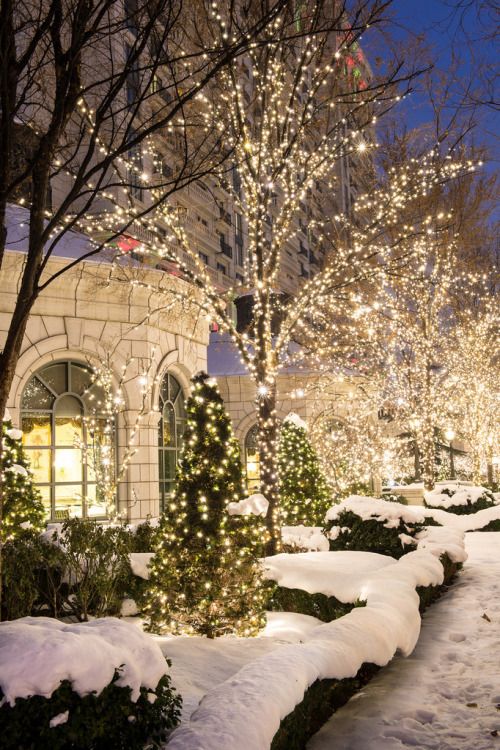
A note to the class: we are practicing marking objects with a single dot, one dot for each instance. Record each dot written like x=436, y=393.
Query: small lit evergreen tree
x=205, y=577
x=304, y=493
x=22, y=503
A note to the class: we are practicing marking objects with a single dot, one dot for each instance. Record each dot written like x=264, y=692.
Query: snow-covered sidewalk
x=446, y=695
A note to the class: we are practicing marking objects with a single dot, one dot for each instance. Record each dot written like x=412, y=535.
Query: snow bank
x=338, y=574
x=443, y=539
x=468, y=522
x=252, y=702
x=306, y=537
x=36, y=653
x=372, y=507
x=255, y=505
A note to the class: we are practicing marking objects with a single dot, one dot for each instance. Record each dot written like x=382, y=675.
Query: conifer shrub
x=22, y=504
x=205, y=577
x=304, y=493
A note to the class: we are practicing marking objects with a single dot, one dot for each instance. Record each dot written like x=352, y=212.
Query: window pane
x=39, y=463
x=36, y=429
x=174, y=388
x=169, y=465
x=80, y=377
x=69, y=497
x=168, y=424
x=68, y=465
x=55, y=376
x=36, y=396
x=45, y=493
x=68, y=421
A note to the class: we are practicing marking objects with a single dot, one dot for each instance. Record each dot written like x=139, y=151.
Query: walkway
x=446, y=695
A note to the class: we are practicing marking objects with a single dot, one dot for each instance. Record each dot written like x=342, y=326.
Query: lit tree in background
x=474, y=408
x=355, y=438
x=304, y=493
x=205, y=577
x=22, y=501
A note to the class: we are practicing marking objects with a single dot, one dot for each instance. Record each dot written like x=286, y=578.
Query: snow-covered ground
x=446, y=695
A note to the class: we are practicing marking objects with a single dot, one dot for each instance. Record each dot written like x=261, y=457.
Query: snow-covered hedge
x=459, y=499
x=100, y=684
x=253, y=703
x=373, y=525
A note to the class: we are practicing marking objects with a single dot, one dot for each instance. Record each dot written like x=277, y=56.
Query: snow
x=306, y=537
x=335, y=574
x=439, y=540
x=294, y=419
x=17, y=469
x=14, y=433
x=251, y=703
x=447, y=695
x=36, y=653
x=461, y=496
x=256, y=505
x=372, y=507
x=56, y=721
x=467, y=522
x=139, y=562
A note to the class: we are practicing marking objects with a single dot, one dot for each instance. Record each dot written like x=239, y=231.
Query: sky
x=447, y=32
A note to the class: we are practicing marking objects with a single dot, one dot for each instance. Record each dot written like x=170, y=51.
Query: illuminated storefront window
x=252, y=459
x=55, y=404
x=171, y=431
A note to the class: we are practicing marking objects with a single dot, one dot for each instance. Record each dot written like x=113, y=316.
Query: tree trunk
x=268, y=447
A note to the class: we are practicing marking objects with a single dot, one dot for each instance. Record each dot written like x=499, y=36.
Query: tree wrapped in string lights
x=22, y=502
x=205, y=577
x=304, y=493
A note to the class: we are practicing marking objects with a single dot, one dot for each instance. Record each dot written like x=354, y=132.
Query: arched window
x=252, y=459
x=171, y=431
x=55, y=405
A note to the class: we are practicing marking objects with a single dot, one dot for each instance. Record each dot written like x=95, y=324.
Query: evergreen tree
x=304, y=493
x=22, y=502
x=205, y=577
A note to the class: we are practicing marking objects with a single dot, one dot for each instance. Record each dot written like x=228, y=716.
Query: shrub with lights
x=304, y=493
x=22, y=504
x=205, y=578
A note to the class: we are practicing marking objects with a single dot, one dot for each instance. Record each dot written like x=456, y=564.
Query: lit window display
x=55, y=404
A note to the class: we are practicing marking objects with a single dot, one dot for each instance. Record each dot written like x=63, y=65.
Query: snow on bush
x=252, y=703
x=481, y=520
x=36, y=653
x=304, y=537
x=254, y=505
x=459, y=499
x=373, y=525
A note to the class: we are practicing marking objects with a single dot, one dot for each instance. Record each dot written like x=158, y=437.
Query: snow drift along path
x=446, y=695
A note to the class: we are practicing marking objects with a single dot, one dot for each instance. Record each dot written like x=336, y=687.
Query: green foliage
x=371, y=535
x=304, y=493
x=485, y=500
x=325, y=608
x=22, y=503
x=110, y=719
x=205, y=577
x=143, y=537
x=81, y=569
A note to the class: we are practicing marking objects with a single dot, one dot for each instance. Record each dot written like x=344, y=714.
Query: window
x=221, y=267
x=55, y=405
x=171, y=431
x=252, y=459
x=203, y=257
